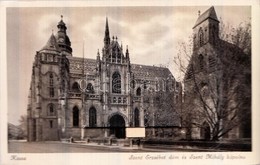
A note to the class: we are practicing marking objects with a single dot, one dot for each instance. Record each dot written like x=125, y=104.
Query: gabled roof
x=208, y=14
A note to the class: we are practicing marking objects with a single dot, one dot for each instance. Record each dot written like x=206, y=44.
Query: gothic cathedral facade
x=79, y=97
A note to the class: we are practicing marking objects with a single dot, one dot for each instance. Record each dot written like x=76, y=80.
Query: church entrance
x=117, y=126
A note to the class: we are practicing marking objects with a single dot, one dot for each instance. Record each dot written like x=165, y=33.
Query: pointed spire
x=98, y=54
x=51, y=44
x=127, y=52
x=107, y=37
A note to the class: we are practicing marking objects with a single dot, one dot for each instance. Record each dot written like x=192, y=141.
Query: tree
x=165, y=114
x=14, y=132
x=222, y=96
x=23, y=125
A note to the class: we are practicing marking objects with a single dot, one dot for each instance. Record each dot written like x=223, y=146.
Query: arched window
x=138, y=91
x=75, y=117
x=116, y=83
x=51, y=110
x=157, y=85
x=132, y=84
x=163, y=85
x=90, y=88
x=92, y=117
x=201, y=37
x=146, y=84
x=75, y=87
x=201, y=65
x=51, y=87
x=51, y=79
x=136, y=118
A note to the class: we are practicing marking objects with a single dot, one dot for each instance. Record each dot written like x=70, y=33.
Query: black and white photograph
x=148, y=83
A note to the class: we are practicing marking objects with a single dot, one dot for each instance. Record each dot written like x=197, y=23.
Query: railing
x=119, y=100
x=137, y=99
x=74, y=95
x=92, y=96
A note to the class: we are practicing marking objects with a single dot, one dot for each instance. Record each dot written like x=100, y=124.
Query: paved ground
x=58, y=147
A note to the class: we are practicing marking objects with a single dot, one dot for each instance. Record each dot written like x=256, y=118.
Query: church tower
x=206, y=29
x=49, y=84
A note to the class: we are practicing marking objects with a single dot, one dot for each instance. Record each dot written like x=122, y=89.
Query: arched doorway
x=117, y=126
x=75, y=117
x=205, y=131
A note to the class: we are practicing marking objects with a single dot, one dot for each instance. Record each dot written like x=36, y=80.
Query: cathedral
x=217, y=85
x=96, y=98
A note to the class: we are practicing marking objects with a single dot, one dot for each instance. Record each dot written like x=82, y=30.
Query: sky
x=151, y=33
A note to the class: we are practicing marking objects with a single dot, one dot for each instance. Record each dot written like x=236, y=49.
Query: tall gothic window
x=92, y=117
x=136, y=118
x=138, y=91
x=75, y=117
x=201, y=37
x=90, y=88
x=51, y=89
x=116, y=83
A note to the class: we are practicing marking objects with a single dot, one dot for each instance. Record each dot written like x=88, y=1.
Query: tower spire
x=107, y=37
x=127, y=52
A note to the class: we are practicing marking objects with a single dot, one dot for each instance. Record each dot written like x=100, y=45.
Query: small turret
x=62, y=38
x=98, y=56
x=127, y=53
x=98, y=62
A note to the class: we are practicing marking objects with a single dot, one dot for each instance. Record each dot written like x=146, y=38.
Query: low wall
x=221, y=145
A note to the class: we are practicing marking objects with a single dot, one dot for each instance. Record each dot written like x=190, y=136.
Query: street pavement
x=65, y=147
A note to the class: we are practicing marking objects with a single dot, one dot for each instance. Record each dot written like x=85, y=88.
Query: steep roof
x=208, y=14
x=51, y=45
x=140, y=71
x=76, y=65
x=150, y=72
